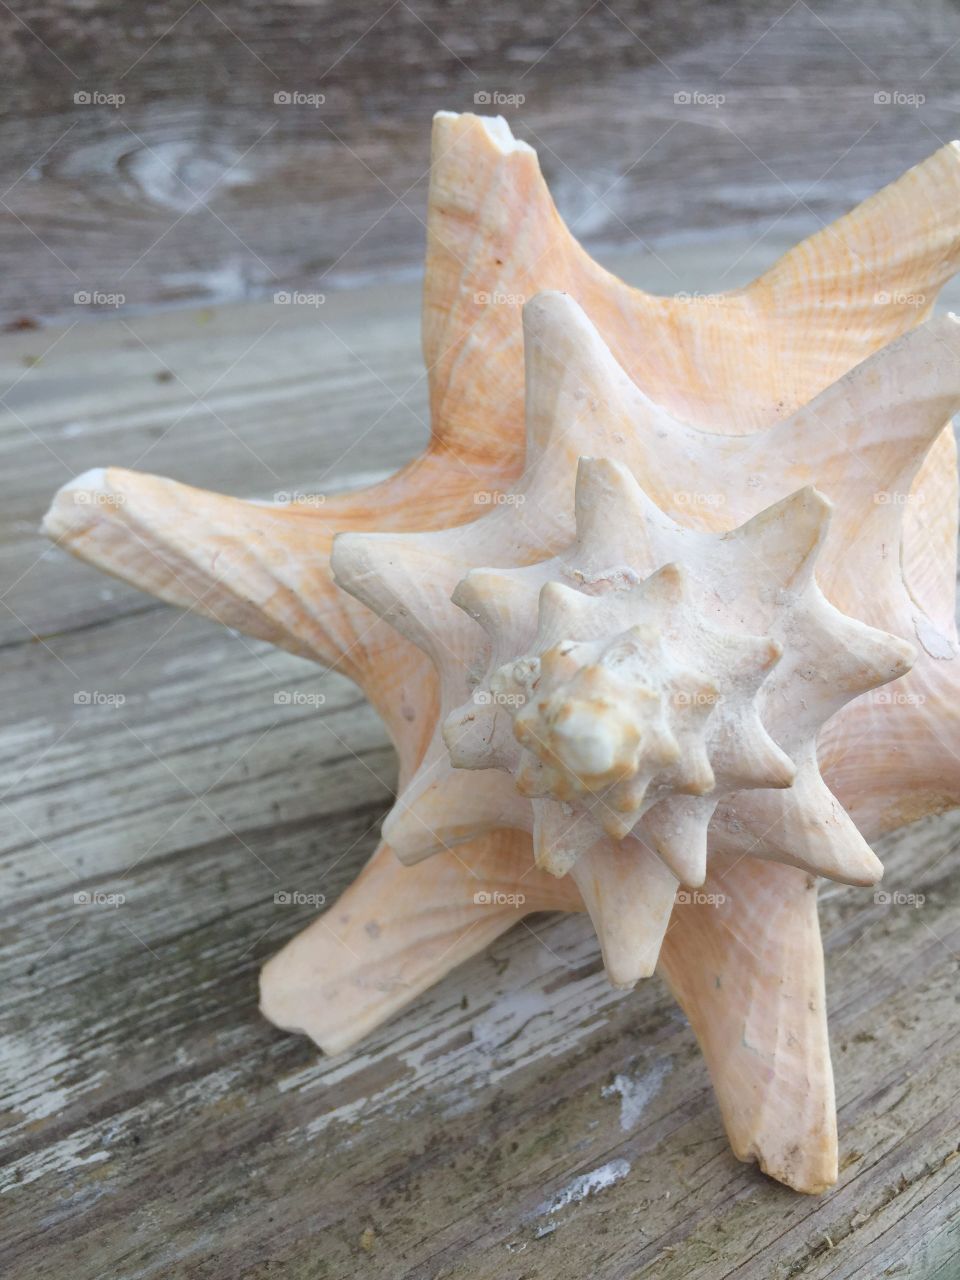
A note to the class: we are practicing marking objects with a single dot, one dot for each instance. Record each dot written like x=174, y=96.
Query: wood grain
x=200, y=187
x=154, y=1125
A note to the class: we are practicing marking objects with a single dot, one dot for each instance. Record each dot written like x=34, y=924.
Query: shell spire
x=642, y=693
x=659, y=704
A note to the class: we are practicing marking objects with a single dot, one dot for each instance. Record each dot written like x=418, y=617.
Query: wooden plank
x=455, y=1126
x=200, y=188
x=156, y=1126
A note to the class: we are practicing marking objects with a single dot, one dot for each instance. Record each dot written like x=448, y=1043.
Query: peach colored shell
x=813, y=406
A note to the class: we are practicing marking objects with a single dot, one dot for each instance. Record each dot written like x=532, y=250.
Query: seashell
x=628, y=706
x=717, y=430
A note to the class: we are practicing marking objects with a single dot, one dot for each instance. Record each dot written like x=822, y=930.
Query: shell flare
x=647, y=670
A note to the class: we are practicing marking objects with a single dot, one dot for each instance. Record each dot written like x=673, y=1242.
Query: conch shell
x=697, y=555
x=653, y=692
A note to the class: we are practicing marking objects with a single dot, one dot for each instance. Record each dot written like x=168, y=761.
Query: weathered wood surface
x=200, y=187
x=155, y=1126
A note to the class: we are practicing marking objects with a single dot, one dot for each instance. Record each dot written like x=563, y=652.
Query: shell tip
x=496, y=127
x=89, y=482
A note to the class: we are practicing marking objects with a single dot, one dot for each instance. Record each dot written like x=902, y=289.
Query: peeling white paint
x=63, y=1157
x=587, y=1184
x=507, y=1017
x=637, y=1092
x=33, y=1094
x=446, y=1072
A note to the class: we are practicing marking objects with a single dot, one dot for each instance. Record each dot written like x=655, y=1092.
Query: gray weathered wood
x=155, y=1126
x=199, y=187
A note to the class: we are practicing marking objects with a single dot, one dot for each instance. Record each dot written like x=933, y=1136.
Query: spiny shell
x=619, y=830
x=748, y=970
